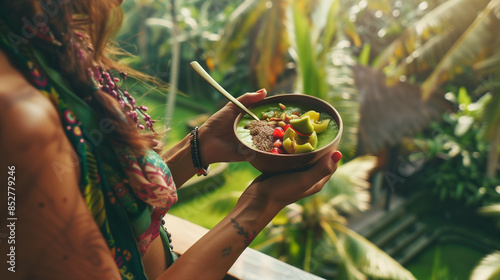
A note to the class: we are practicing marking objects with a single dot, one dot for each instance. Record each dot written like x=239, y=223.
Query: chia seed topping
x=262, y=135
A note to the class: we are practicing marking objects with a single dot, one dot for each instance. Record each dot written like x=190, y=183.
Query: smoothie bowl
x=294, y=132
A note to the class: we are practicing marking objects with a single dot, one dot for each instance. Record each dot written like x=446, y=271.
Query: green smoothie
x=272, y=112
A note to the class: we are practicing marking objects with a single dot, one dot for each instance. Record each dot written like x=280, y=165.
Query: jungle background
x=417, y=193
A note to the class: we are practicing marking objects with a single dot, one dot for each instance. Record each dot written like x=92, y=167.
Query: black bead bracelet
x=196, y=155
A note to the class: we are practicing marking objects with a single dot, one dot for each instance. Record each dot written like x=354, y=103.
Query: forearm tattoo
x=227, y=251
x=241, y=231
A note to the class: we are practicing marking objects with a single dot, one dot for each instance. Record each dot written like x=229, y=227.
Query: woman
x=89, y=192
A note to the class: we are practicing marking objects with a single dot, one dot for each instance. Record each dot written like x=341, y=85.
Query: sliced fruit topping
x=302, y=125
x=321, y=126
x=313, y=115
x=278, y=133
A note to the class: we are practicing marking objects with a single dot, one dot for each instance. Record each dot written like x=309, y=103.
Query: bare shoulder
x=25, y=114
x=55, y=236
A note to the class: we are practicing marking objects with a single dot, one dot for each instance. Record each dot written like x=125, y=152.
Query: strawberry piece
x=275, y=150
x=278, y=133
x=286, y=127
x=277, y=143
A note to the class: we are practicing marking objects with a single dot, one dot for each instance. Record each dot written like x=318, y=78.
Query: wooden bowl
x=267, y=162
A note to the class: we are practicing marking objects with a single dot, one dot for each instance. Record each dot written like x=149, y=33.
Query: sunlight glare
x=362, y=4
x=381, y=33
x=423, y=6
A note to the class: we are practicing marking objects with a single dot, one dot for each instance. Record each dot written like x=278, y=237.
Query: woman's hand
x=277, y=191
x=217, y=140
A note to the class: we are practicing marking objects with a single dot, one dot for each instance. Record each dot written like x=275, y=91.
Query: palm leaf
x=258, y=27
x=310, y=81
x=488, y=65
x=342, y=93
x=324, y=26
x=490, y=210
x=237, y=32
x=440, y=28
x=350, y=182
x=488, y=268
x=368, y=258
x=348, y=269
x=271, y=46
x=475, y=44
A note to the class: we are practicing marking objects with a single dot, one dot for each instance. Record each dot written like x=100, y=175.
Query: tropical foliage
x=458, y=171
x=414, y=53
x=329, y=248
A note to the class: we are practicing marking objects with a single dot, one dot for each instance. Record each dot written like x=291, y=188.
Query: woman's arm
x=213, y=255
x=54, y=235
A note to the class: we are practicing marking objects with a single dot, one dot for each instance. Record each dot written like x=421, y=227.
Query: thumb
x=250, y=98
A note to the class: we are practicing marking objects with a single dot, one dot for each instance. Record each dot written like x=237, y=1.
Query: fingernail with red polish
x=261, y=90
x=336, y=156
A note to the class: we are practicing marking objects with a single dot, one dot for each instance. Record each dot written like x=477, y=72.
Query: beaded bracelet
x=196, y=155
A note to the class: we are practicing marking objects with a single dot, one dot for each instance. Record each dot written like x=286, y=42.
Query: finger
x=319, y=185
x=250, y=98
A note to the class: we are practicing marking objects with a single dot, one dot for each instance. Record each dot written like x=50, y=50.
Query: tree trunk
x=492, y=164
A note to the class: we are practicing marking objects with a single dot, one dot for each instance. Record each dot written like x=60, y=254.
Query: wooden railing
x=251, y=265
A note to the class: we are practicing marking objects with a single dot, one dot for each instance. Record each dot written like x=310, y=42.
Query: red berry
x=277, y=143
x=278, y=133
x=286, y=127
x=275, y=150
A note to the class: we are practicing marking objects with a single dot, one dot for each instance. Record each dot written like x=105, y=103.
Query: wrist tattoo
x=241, y=231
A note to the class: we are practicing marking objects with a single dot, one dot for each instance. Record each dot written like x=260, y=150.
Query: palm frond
x=271, y=46
x=488, y=65
x=236, y=32
x=310, y=75
x=440, y=28
x=488, y=268
x=491, y=115
x=342, y=93
x=350, y=182
x=476, y=43
x=368, y=258
x=347, y=268
x=490, y=210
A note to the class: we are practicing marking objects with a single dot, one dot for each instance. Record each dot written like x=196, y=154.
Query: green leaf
x=364, y=56
x=476, y=42
x=460, y=190
x=306, y=56
x=464, y=98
